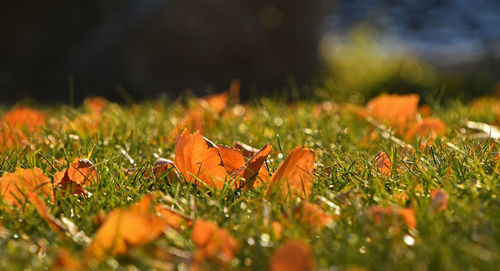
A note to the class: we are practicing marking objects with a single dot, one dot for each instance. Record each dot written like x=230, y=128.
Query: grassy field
x=431, y=205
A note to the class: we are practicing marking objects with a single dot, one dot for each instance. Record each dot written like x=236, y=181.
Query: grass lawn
x=428, y=202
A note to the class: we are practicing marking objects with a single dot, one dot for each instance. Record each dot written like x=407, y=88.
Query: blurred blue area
x=444, y=32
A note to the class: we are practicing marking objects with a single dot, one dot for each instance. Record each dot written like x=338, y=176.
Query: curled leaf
x=78, y=175
x=247, y=150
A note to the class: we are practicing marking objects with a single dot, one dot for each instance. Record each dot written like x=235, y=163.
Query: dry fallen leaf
x=294, y=255
x=313, y=216
x=19, y=123
x=232, y=158
x=276, y=229
x=212, y=242
x=25, y=118
x=136, y=225
x=429, y=128
x=198, y=161
x=395, y=110
x=201, y=113
x=79, y=174
x=17, y=186
x=384, y=214
x=252, y=171
x=27, y=185
x=294, y=175
x=384, y=164
x=65, y=262
x=246, y=150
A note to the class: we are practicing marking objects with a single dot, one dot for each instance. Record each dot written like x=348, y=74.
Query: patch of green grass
x=464, y=236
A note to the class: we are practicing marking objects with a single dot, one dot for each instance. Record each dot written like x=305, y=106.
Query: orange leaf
x=254, y=170
x=380, y=214
x=251, y=170
x=294, y=175
x=64, y=261
x=313, y=216
x=43, y=210
x=429, y=128
x=79, y=174
x=195, y=118
x=277, y=229
x=409, y=218
x=22, y=183
x=24, y=117
x=384, y=164
x=213, y=242
x=95, y=104
x=198, y=160
x=25, y=185
x=124, y=228
x=294, y=255
x=17, y=124
x=396, y=110
x=216, y=103
x=232, y=158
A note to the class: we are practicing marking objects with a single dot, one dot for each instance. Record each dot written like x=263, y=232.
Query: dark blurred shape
x=62, y=50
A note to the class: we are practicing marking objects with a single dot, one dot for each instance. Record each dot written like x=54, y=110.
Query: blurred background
x=63, y=51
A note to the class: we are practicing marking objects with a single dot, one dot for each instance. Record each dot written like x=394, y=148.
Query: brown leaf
x=384, y=165
x=294, y=255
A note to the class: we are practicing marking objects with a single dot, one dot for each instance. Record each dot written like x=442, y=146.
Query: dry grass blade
x=492, y=131
x=386, y=133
